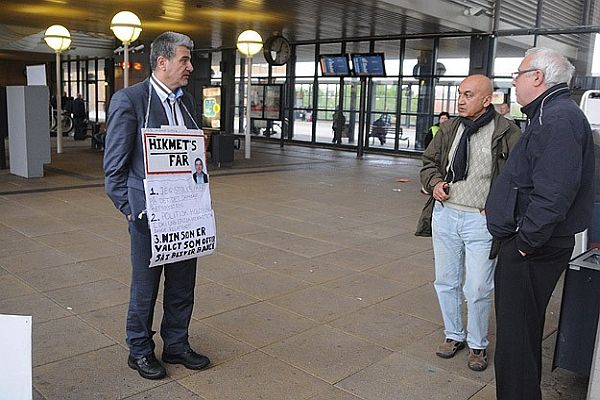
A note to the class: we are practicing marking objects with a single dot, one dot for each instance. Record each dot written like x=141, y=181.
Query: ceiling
x=216, y=23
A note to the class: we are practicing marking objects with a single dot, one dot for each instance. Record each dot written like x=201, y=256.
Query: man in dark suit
x=157, y=101
x=199, y=176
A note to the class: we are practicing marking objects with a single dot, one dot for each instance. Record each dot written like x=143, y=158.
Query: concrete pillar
x=481, y=57
x=228, y=89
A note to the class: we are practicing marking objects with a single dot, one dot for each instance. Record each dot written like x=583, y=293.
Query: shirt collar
x=531, y=109
x=163, y=91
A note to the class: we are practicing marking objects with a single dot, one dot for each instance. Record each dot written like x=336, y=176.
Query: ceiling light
x=249, y=43
x=126, y=26
x=58, y=38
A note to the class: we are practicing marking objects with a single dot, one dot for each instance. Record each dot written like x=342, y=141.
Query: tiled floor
x=318, y=290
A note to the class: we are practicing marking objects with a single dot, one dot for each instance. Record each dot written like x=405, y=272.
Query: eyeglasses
x=515, y=75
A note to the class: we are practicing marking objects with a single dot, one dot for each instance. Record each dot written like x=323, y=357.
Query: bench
x=380, y=132
x=93, y=131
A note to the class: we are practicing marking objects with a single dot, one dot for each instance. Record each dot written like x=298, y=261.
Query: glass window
x=391, y=51
x=384, y=95
x=328, y=96
x=453, y=57
x=418, y=55
x=278, y=70
x=357, y=47
x=509, y=53
x=215, y=65
x=306, y=66
x=446, y=96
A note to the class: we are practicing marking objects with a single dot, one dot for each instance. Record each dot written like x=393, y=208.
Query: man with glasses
x=459, y=165
x=542, y=198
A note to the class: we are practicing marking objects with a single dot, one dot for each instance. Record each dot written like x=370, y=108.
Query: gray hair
x=166, y=44
x=556, y=68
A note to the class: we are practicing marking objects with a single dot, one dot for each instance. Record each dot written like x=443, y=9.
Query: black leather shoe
x=148, y=367
x=190, y=359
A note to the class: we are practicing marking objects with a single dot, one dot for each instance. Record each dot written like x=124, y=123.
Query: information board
x=334, y=65
x=211, y=107
x=368, y=64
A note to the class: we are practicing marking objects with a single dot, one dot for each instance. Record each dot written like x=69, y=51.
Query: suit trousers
x=178, y=298
x=524, y=285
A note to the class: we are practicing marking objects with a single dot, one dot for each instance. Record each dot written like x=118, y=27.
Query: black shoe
x=190, y=359
x=148, y=367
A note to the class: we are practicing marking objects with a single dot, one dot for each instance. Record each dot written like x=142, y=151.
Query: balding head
x=475, y=95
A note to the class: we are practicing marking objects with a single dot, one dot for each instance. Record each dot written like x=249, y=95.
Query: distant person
x=442, y=117
x=504, y=110
x=199, y=176
x=67, y=103
x=542, y=198
x=339, y=120
x=379, y=128
x=433, y=130
x=99, y=138
x=79, y=118
x=459, y=165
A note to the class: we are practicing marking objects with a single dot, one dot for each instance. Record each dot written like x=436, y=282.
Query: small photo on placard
x=199, y=174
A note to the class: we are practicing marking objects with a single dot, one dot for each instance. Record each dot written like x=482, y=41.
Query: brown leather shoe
x=478, y=360
x=449, y=348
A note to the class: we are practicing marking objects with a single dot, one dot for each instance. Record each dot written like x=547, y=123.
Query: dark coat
x=545, y=193
x=204, y=178
x=79, y=108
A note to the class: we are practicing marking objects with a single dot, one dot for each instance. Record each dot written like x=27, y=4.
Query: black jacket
x=544, y=194
x=203, y=177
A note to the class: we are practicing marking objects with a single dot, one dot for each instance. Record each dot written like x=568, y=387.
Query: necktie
x=172, y=102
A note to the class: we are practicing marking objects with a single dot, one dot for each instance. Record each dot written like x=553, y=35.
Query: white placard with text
x=172, y=151
x=177, y=188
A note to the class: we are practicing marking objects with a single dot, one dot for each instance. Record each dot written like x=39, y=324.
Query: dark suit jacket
x=123, y=151
x=204, y=177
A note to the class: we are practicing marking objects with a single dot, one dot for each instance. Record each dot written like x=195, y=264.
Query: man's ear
x=539, y=79
x=487, y=100
x=161, y=63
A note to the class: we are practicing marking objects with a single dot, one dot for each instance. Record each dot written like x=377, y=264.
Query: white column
x=126, y=64
x=247, y=132
x=59, y=147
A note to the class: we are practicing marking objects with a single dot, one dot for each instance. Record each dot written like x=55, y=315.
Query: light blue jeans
x=461, y=246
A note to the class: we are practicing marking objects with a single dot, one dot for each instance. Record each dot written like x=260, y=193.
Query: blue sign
x=334, y=65
x=371, y=64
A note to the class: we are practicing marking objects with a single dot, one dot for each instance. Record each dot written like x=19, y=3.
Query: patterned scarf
x=460, y=163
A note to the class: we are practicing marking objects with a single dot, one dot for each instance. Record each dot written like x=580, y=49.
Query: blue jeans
x=461, y=246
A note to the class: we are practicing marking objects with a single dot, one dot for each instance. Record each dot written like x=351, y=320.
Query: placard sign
x=177, y=188
x=181, y=220
x=168, y=151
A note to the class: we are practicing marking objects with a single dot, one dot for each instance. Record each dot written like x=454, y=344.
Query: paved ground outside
x=318, y=290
